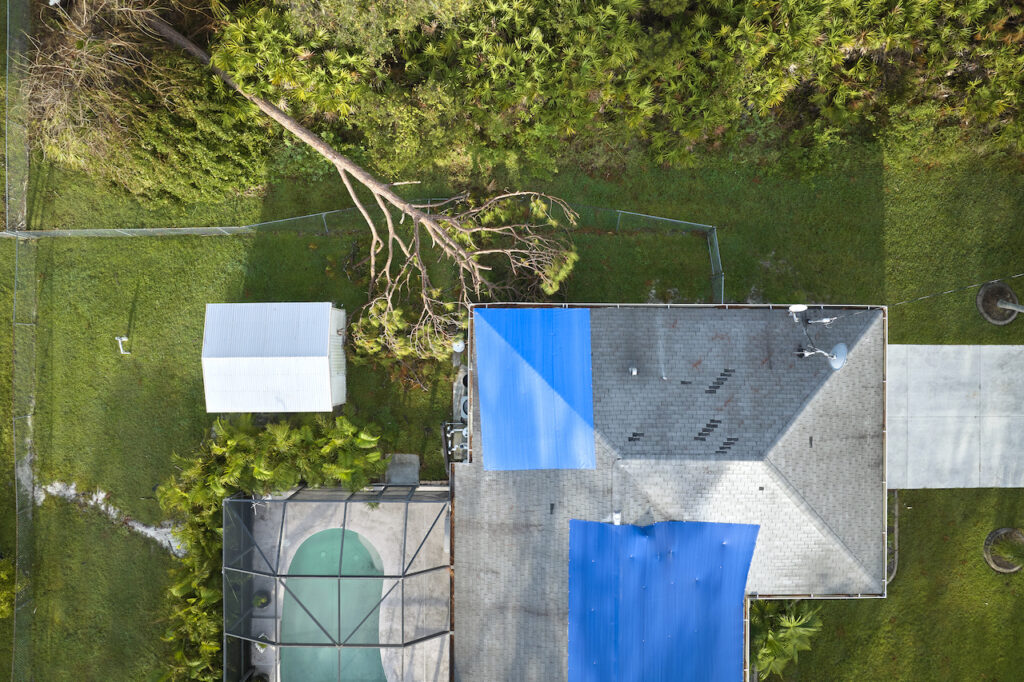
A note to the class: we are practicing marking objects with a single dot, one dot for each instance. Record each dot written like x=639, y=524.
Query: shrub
x=372, y=26
x=7, y=587
x=515, y=83
x=779, y=631
x=242, y=458
x=109, y=99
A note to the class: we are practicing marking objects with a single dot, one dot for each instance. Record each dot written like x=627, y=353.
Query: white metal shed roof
x=267, y=357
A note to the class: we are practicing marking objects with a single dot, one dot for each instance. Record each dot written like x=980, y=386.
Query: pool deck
x=408, y=538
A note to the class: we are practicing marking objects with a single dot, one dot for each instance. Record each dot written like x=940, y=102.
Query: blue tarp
x=659, y=602
x=535, y=388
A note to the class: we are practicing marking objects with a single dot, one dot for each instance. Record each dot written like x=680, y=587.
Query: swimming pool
x=323, y=598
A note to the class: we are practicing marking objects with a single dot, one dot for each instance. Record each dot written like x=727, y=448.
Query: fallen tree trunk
x=536, y=260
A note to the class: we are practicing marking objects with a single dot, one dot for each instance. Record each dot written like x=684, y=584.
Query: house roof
x=267, y=357
x=722, y=422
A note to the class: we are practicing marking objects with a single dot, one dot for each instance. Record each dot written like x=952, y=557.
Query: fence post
x=618, y=219
x=717, y=273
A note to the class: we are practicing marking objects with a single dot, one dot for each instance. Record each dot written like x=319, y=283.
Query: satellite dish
x=796, y=308
x=837, y=358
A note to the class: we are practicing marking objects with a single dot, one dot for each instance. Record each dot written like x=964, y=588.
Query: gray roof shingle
x=735, y=428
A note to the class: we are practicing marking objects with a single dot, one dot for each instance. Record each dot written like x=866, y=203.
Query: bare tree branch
x=529, y=256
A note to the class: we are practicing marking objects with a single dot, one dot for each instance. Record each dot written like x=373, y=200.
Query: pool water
x=322, y=597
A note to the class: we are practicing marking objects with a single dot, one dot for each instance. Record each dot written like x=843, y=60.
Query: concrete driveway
x=955, y=416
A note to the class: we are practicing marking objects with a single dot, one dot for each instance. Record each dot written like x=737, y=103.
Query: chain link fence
x=349, y=220
x=23, y=333
x=23, y=382
x=614, y=220
x=337, y=222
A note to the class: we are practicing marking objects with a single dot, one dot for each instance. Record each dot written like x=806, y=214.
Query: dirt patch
x=162, y=534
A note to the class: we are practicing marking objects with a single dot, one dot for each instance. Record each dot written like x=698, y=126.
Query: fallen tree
x=505, y=246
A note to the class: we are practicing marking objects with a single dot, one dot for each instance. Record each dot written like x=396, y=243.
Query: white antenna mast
x=836, y=357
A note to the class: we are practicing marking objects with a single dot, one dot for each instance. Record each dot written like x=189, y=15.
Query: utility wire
x=921, y=298
x=953, y=291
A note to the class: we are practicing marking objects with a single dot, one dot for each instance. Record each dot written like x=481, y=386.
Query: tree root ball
x=996, y=562
x=989, y=295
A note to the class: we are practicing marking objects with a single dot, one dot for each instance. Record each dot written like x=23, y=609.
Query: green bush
x=372, y=26
x=7, y=586
x=779, y=631
x=108, y=98
x=198, y=143
x=242, y=458
x=514, y=84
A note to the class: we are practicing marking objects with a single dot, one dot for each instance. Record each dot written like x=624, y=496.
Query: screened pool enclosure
x=331, y=585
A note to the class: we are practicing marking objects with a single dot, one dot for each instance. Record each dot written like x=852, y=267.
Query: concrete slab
x=955, y=416
x=896, y=374
x=954, y=444
x=1002, y=451
x=403, y=470
x=1002, y=386
x=943, y=381
x=896, y=443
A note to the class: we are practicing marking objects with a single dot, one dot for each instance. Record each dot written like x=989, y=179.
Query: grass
x=661, y=266
x=877, y=225
x=7, y=501
x=69, y=199
x=111, y=421
x=948, y=616
x=99, y=598
x=73, y=200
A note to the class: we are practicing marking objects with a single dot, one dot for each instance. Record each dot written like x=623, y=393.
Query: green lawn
x=7, y=502
x=874, y=227
x=73, y=200
x=99, y=598
x=948, y=616
x=111, y=421
x=66, y=199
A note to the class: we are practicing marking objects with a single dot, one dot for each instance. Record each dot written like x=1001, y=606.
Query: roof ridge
x=616, y=466
x=826, y=530
x=812, y=394
x=792, y=490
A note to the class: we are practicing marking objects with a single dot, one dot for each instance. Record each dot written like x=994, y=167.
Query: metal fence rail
x=23, y=332
x=349, y=219
x=338, y=221
x=23, y=381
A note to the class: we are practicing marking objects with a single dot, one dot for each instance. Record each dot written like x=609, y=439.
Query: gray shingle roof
x=722, y=422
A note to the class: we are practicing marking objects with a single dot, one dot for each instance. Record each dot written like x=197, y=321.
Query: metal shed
x=273, y=357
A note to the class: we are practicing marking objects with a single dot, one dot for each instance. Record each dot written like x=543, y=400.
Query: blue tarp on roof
x=535, y=390
x=659, y=602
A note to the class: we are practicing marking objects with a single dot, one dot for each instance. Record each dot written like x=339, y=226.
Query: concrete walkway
x=955, y=416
